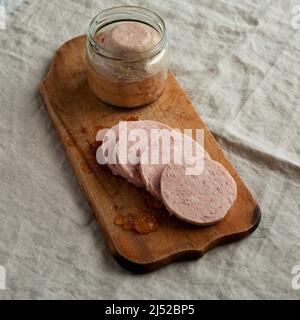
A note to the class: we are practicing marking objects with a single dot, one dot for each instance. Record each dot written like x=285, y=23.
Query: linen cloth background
x=239, y=62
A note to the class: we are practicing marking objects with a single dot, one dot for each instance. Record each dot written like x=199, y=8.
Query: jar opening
x=121, y=14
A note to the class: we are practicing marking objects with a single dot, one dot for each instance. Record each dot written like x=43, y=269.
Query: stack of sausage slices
x=203, y=198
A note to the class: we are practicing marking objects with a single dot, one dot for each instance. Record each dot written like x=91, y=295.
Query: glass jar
x=125, y=77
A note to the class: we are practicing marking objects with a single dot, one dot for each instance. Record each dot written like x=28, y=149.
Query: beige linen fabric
x=239, y=62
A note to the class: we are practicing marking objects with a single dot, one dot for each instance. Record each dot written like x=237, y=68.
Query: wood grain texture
x=77, y=115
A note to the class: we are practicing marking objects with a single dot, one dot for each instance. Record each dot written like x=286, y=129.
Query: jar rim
x=146, y=54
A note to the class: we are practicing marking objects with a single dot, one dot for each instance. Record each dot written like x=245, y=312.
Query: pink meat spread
x=130, y=36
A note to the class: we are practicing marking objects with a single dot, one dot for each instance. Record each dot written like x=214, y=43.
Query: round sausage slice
x=199, y=199
x=151, y=173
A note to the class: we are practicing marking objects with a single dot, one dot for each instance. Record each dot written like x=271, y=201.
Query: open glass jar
x=127, y=56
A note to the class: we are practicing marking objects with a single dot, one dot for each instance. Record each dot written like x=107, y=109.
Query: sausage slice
x=199, y=199
x=151, y=173
x=130, y=170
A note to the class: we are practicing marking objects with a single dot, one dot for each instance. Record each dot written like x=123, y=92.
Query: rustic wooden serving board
x=77, y=115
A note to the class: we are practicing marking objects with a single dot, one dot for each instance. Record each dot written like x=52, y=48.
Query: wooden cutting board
x=77, y=115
